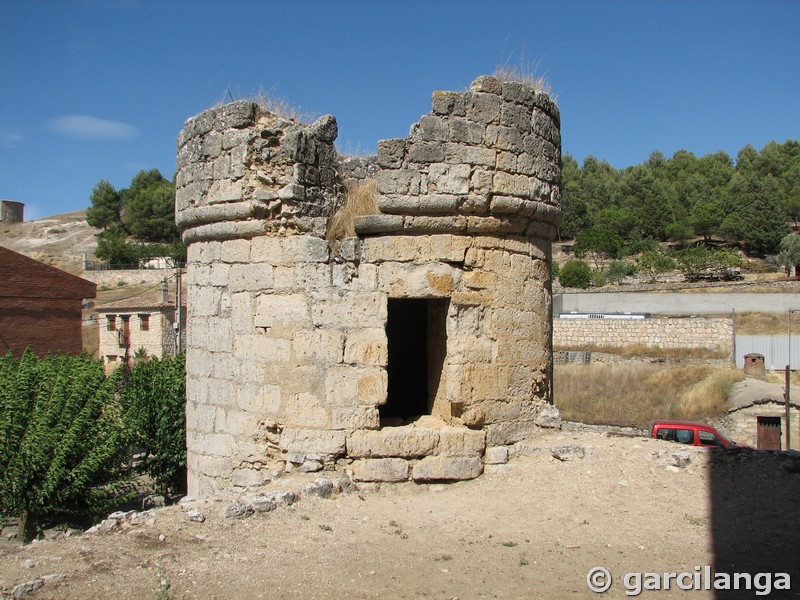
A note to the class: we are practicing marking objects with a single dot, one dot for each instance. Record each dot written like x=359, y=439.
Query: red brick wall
x=40, y=306
x=47, y=325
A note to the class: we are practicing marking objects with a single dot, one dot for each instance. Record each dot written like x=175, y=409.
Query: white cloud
x=10, y=139
x=91, y=128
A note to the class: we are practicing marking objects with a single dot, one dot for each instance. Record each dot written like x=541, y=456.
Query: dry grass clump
x=634, y=395
x=272, y=103
x=358, y=200
x=750, y=323
x=524, y=74
x=642, y=350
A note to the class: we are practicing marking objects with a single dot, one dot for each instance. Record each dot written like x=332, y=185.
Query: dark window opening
x=144, y=322
x=111, y=322
x=417, y=339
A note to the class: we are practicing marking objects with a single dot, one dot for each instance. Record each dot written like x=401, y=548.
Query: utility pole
x=788, y=394
x=178, y=320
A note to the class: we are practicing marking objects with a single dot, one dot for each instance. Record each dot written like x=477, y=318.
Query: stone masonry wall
x=708, y=334
x=742, y=425
x=287, y=348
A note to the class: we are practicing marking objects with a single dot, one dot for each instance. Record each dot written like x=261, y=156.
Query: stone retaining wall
x=691, y=333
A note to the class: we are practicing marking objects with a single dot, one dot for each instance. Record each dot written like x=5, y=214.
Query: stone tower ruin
x=402, y=350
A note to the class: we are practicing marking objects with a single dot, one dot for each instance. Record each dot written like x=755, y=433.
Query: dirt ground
x=531, y=529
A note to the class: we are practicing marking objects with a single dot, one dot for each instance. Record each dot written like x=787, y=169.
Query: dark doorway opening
x=417, y=338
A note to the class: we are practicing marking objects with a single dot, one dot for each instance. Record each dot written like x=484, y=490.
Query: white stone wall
x=689, y=333
x=151, y=340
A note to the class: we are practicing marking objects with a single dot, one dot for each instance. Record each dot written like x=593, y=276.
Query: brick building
x=40, y=306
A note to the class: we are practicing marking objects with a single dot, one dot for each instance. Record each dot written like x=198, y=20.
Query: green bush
x=61, y=440
x=155, y=397
x=576, y=274
x=618, y=270
x=66, y=432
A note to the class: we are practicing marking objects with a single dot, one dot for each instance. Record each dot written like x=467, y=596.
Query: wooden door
x=769, y=433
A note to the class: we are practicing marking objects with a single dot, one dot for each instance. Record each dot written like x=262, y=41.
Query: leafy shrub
x=555, y=270
x=618, y=270
x=155, y=397
x=61, y=440
x=576, y=274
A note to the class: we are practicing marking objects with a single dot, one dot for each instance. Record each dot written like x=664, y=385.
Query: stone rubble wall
x=742, y=425
x=243, y=172
x=287, y=349
x=701, y=333
x=484, y=161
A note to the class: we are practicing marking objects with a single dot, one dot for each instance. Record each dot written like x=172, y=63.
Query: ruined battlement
x=407, y=350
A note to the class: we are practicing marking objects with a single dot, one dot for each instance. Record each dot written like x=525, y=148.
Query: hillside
x=59, y=240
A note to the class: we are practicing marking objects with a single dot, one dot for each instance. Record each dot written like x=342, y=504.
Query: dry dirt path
x=532, y=530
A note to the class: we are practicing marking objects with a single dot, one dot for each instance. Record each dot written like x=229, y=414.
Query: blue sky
x=93, y=90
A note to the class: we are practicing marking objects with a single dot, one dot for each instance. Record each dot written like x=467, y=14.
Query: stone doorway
x=416, y=330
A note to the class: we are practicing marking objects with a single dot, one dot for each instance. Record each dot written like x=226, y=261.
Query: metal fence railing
x=94, y=265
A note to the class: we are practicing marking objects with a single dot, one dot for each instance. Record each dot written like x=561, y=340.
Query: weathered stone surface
x=496, y=455
x=287, y=349
x=371, y=224
x=549, y=417
x=262, y=504
x=460, y=441
x=238, y=510
x=447, y=468
x=568, y=452
x=321, y=488
x=380, y=469
x=196, y=516
x=404, y=442
x=325, y=443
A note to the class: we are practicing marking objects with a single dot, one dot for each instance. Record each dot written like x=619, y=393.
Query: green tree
x=677, y=231
x=766, y=222
x=575, y=274
x=618, y=270
x=61, y=440
x=113, y=246
x=149, y=207
x=106, y=205
x=155, y=397
x=789, y=254
x=705, y=218
x=599, y=241
x=654, y=264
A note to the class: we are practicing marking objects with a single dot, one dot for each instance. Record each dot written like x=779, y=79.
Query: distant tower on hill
x=11, y=211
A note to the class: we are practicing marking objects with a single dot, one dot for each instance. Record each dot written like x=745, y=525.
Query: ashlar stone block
x=447, y=468
x=460, y=441
x=287, y=311
x=313, y=441
x=402, y=442
x=380, y=469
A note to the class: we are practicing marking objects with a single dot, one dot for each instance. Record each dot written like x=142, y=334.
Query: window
x=111, y=322
x=684, y=436
x=144, y=322
x=709, y=439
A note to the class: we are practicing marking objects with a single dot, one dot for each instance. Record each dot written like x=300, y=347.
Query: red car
x=692, y=434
